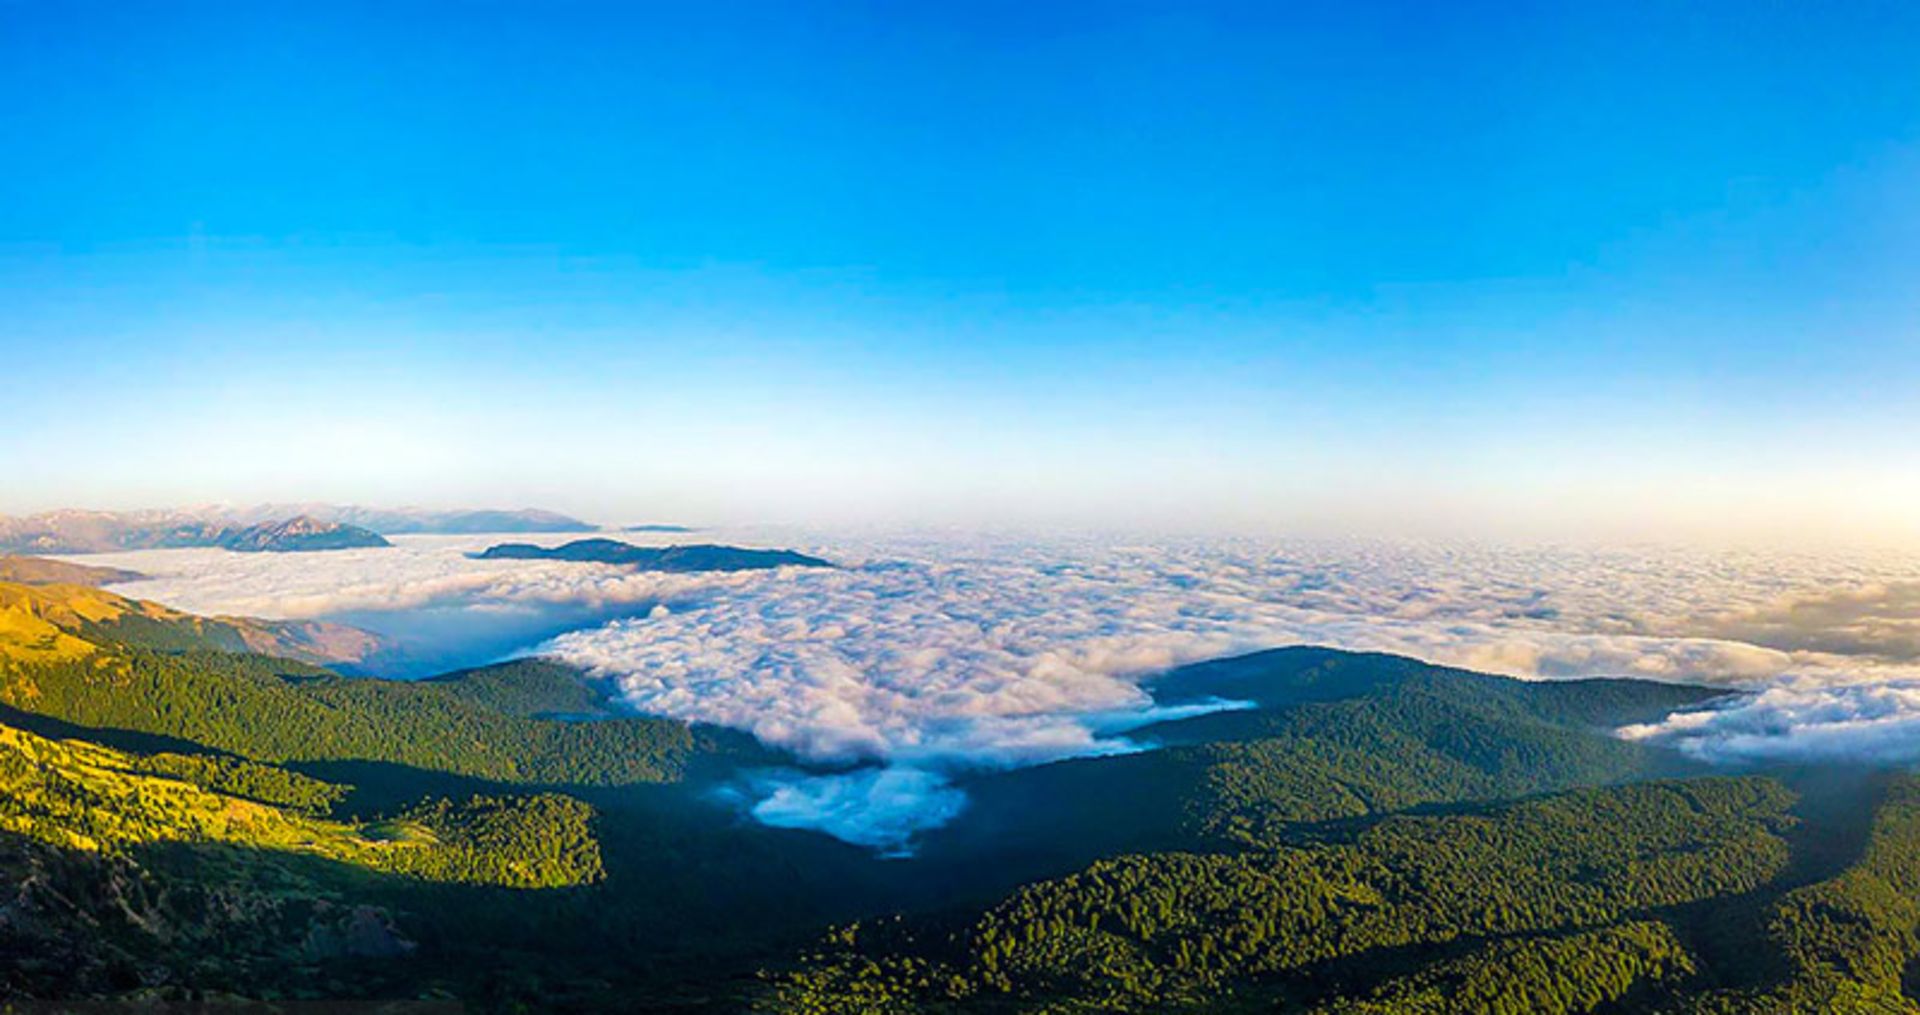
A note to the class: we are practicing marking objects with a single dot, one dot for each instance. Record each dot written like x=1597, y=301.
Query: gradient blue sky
x=1622, y=269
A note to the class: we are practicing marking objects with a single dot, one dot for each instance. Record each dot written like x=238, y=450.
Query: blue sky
x=1623, y=269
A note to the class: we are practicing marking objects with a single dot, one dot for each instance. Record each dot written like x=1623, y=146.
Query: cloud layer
x=1799, y=722
x=930, y=654
x=882, y=807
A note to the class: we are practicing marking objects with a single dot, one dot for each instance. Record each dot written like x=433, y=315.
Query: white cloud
x=1800, y=721
x=932, y=653
x=879, y=807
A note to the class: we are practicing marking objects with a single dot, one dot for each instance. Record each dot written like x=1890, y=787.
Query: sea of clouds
x=929, y=655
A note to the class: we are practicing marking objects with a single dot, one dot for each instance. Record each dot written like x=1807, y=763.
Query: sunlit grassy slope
x=45, y=571
x=82, y=796
x=102, y=661
x=81, y=611
x=28, y=634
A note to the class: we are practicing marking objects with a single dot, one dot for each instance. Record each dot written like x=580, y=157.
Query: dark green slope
x=115, y=666
x=1194, y=931
x=1848, y=943
x=678, y=559
x=533, y=688
x=427, y=781
x=1334, y=736
x=444, y=763
x=1736, y=896
x=276, y=710
x=1338, y=848
x=1305, y=674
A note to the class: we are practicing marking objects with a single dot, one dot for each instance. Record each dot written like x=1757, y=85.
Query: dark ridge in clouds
x=677, y=558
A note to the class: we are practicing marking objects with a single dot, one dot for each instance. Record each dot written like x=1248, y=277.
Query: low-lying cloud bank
x=880, y=807
x=886, y=806
x=927, y=655
x=1799, y=722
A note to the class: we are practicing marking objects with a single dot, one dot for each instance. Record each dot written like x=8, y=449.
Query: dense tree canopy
x=180, y=819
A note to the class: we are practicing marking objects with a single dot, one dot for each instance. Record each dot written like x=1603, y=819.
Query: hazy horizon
x=1708, y=534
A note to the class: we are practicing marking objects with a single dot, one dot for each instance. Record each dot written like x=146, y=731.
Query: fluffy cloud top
x=879, y=807
x=927, y=654
x=1868, y=723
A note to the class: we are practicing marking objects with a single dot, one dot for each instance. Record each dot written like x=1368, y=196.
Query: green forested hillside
x=1547, y=974
x=1370, y=834
x=102, y=662
x=1631, y=898
x=1278, y=856
x=275, y=710
x=56, y=621
x=1849, y=943
x=82, y=796
x=1146, y=930
x=1335, y=736
x=532, y=688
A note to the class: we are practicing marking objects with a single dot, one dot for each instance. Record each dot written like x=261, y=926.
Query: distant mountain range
x=705, y=557
x=269, y=527
x=299, y=533
x=423, y=521
x=104, y=532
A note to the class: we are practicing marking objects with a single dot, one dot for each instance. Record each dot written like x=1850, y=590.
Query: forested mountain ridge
x=97, y=660
x=1682, y=897
x=1362, y=834
x=262, y=821
x=1342, y=846
x=83, y=796
x=1192, y=930
x=1330, y=736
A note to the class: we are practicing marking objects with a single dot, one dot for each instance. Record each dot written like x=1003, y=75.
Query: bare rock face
x=362, y=932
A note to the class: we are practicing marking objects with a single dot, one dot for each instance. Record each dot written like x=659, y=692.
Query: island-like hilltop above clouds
x=266, y=528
